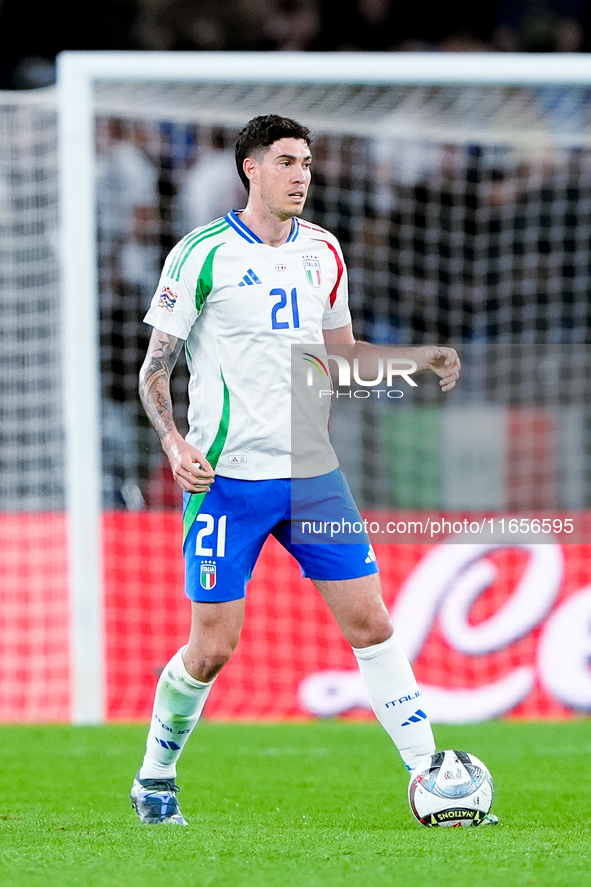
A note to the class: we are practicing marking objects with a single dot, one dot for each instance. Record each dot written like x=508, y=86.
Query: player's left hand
x=445, y=363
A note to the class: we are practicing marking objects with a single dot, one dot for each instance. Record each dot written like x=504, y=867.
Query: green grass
x=290, y=805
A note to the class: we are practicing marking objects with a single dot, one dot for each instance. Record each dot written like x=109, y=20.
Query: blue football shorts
x=315, y=519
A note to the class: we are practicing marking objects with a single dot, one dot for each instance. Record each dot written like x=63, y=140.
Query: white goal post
x=82, y=79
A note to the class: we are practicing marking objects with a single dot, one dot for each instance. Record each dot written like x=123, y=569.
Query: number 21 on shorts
x=208, y=530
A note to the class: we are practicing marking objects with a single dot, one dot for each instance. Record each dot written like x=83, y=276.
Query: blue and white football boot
x=155, y=801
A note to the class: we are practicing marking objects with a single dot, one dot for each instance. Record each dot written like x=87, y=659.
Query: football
x=453, y=789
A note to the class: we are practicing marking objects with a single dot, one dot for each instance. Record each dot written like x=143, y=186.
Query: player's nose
x=298, y=173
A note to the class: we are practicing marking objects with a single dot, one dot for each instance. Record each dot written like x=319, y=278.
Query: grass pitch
x=290, y=805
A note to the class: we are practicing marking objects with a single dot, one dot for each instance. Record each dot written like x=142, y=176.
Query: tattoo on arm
x=154, y=387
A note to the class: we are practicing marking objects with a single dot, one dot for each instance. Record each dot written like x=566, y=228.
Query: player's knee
x=369, y=630
x=204, y=665
x=369, y=638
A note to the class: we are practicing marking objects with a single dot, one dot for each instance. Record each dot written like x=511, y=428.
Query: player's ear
x=250, y=168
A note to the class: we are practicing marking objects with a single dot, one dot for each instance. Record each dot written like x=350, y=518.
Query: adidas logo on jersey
x=249, y=279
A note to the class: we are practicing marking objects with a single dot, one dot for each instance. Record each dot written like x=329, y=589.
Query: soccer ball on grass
x=453, y=789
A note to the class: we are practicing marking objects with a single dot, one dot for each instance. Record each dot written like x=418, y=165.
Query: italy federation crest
x=313, y=272
x=208, y=574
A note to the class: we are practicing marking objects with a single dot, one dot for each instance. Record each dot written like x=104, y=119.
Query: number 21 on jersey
x=290, y=315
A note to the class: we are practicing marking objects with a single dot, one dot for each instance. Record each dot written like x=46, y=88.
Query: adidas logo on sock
x=418, y=716
x=249, y=279
x=170, y=744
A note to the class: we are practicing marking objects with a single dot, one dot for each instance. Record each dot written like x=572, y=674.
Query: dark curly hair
x=261, y=132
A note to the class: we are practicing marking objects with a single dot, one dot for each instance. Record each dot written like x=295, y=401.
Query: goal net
x=459, y=190
x=34, y=633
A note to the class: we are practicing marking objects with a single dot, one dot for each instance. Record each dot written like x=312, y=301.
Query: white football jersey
x=240, y=305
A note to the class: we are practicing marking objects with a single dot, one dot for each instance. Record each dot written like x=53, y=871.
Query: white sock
x=396, y=699
x=178, y=705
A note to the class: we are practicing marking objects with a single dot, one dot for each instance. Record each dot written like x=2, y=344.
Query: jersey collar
x=233, y=219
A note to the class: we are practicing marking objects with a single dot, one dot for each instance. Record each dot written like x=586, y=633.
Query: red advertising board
x=493, y=628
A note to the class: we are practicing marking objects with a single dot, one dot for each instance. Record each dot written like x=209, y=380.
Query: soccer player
x=237, y=294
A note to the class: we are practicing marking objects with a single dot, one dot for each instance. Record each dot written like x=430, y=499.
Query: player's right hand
x=190, y=469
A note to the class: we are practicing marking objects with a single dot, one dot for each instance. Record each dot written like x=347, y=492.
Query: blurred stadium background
x=464, y=213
